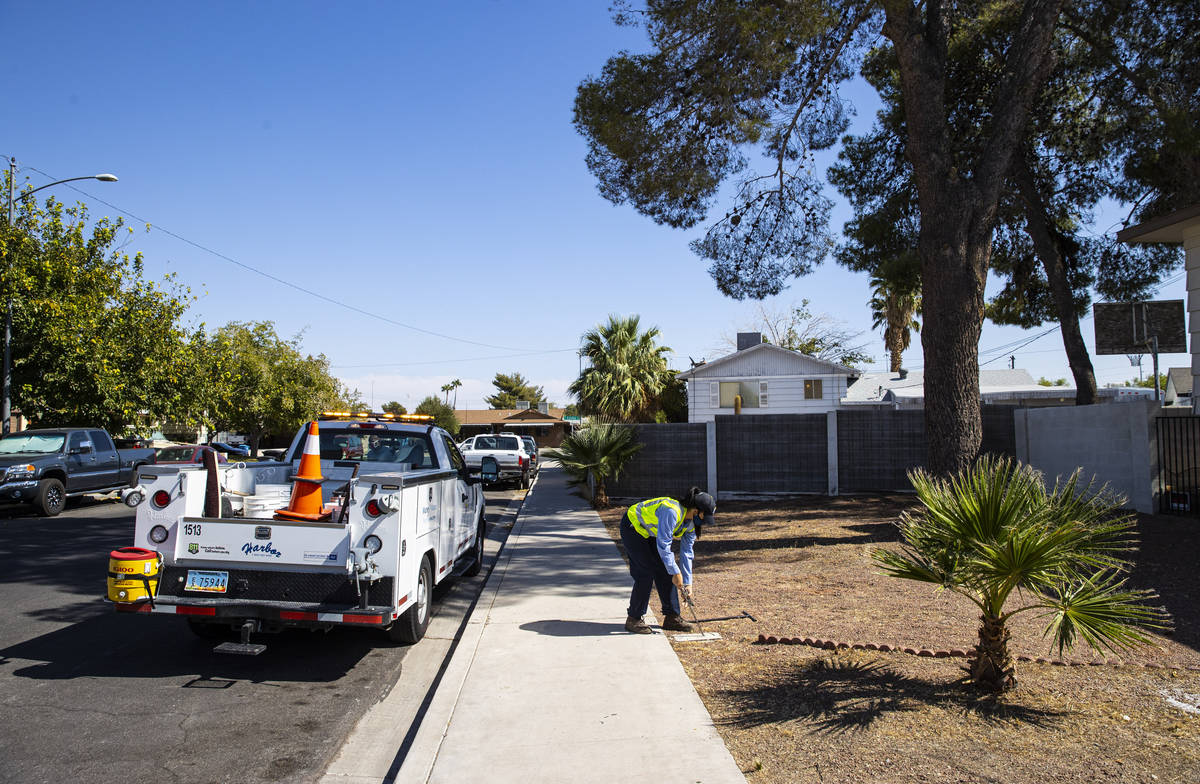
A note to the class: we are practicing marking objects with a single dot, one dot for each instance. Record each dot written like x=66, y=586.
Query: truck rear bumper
x=284, y=613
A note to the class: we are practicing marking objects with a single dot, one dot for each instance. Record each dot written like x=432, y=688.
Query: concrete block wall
x=1115, y=443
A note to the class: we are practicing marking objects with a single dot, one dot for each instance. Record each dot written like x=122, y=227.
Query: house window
x=812, y=389
x=753, y=393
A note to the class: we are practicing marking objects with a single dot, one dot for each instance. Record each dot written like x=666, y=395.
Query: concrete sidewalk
x=546, y=685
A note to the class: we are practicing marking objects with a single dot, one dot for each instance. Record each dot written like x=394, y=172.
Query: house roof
x=793, y=361
x=1165, y=228
x=877, y=388
x=495, y=416
x=1181, y=379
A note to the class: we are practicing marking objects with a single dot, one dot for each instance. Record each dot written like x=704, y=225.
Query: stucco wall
x=1112, y=442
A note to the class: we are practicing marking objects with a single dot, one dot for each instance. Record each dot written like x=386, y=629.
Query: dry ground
x=793, y=713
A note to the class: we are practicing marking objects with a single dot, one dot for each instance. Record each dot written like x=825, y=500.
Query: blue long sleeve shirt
x=667, y=520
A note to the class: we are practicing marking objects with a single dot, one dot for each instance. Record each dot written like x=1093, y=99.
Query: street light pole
x=6, y=404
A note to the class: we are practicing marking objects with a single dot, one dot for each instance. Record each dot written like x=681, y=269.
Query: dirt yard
x=796, y=713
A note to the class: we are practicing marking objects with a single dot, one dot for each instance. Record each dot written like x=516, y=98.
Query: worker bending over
x=647, y=531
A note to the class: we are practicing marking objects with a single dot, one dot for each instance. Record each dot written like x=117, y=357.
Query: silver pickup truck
x=508, y=450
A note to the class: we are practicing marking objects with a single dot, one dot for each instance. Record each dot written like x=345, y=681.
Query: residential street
x=87, y=694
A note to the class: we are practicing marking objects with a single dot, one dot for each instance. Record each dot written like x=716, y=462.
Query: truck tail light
x=373, y=508
x=520, y=462
x=161, y=498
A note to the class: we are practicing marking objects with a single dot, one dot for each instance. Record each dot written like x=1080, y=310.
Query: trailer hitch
x=245, y=647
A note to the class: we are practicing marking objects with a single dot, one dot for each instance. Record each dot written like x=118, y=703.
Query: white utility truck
x=399, y=513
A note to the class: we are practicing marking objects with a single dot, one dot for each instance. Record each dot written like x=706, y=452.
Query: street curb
x=417, y=764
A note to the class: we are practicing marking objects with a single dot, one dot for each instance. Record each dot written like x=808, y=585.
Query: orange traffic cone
x=306, y=492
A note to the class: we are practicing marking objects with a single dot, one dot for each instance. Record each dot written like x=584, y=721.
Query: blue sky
x=413, y=161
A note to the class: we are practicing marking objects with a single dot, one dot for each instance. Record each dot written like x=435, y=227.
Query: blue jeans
x=646, y=568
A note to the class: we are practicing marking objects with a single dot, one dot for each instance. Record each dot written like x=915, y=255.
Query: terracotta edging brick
x=959, y=653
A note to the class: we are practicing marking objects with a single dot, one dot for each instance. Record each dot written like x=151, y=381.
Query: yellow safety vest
x=644, y=517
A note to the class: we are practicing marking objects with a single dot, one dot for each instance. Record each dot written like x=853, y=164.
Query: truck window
x=456, y=459
x=100, y=441
x=21, y=443
x=76, y=440
x=375, y=446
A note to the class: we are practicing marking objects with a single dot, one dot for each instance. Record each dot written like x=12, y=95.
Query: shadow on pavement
x=559, y=628
x=120, y=646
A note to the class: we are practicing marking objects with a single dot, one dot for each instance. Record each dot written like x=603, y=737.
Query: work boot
x=675, y=623
x=637, y=626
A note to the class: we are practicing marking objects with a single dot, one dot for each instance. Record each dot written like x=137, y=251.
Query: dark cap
x=706, y=507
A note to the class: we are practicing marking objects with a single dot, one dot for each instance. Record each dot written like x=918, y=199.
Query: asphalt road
x=87, y=694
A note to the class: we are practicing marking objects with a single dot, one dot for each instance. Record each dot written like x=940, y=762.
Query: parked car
x=237, y=450
x=46, y=467
x=509, y=452
x=531, y=448
x=186, y=453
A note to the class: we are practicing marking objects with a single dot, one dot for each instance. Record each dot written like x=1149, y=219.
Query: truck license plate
x=210, y=582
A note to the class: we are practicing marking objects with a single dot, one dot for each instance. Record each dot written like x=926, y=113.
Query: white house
x=1179, y=387
x=770, y=380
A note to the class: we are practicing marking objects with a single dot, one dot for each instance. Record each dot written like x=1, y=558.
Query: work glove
x=677, y=580
x=687, y=592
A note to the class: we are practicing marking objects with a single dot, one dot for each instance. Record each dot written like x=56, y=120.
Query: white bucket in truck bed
x=266, y=499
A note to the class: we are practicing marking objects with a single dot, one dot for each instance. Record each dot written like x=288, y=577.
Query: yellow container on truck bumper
x=133, y=574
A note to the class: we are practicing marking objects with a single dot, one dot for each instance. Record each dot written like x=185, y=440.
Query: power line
x=445, y=361
x=297, y=287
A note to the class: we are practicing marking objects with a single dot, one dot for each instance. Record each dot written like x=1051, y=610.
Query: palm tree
x=994, y=534
x=628, y=371
x=596, y=452
x=895, y=303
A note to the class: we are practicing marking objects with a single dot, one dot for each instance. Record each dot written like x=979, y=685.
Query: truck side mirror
x=489, y=470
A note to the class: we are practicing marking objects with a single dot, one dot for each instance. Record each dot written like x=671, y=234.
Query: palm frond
x=1104, y=613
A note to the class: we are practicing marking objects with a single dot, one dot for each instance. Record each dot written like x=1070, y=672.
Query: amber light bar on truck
x=416, y=419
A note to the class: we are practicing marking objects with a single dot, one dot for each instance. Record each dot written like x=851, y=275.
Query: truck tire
x=410, y=627
x=525, y=479
x=51, y=497
x=477, y=550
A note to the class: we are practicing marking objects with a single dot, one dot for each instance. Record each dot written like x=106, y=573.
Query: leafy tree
x=571, y=410
x=666, y=129
x=1148, y=382
x=796, y=328
x=442, y=413
x=1056, y=179
x=596, y=453
x=997, y=536
x=1058, y=382
x=627, y=373
x=512, y=387
x=672, y=401
x=263, y=384
x=93, y=342
x=394, y=407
